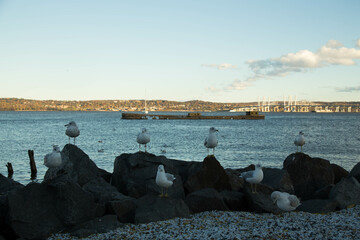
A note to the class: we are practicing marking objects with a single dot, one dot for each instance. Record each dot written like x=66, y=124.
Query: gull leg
x=139, y=148
x=301, y=148
x=166, y=194
x=255, y=187
x=74, y=141
x=145, y=147
x=69, y=140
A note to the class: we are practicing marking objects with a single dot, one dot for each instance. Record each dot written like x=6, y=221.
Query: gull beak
x=66, y=125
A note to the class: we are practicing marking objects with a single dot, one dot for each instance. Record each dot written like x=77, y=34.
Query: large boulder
x=235, y=201
x=211, y=175
x=318, y=206
x=206, y=199
x=346, y=192
x=76, y=166
x=6, y=186
x=38, y=210
x=134, y=175
x=339, y=173
x=308, y=174
x=260, y=201
x=278, y=179
x=236, y=182
x=355, y=172
x=152, y=208
x=102, y=191
x=124, y=208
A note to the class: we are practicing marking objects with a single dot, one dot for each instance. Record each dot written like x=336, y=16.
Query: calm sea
x=334, y=136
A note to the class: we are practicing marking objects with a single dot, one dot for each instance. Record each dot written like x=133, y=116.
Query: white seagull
x=53, y=160
x=164, y=180
x=211, y=141
x=254, y=176
x=285, y=201
x=299, y=141
x=72, y=130
x=143, y=138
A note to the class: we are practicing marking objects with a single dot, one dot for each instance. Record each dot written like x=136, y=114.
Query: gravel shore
x=344, y=224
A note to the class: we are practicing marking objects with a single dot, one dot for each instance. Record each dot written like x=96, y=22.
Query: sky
x=219, y=51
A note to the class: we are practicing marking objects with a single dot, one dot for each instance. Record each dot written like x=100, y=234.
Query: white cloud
x=332, y=53
x=348, y=89
x=223, y=66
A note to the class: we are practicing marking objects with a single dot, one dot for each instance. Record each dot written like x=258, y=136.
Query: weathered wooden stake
x=32, y=164
x=10, y=170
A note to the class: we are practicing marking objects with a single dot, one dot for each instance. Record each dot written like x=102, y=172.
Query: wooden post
x=32, y=164
x=10, y=170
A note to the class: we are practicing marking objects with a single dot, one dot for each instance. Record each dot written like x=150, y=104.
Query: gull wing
x=170, y=177
x=248, y=174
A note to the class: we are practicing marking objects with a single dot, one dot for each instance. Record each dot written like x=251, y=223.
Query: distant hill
x=19, y=104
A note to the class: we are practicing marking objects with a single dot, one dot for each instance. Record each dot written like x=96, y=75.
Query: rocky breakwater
x=82, y=199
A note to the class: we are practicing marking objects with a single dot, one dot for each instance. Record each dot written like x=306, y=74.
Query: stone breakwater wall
x=73, y=197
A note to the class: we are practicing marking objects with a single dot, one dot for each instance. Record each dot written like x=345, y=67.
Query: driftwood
x=10, y=170
x=32, y=164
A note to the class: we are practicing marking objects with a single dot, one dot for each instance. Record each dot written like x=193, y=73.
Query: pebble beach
x=344, y=224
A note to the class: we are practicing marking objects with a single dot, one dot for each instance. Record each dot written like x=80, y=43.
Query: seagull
x=72, y=130
x=285, y=201
x=211, y=141
x=143, y=138
x=299, y=141
x=254, y=176
x=53, y=160
x=164, y=180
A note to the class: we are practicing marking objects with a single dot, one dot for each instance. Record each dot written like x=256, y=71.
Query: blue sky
x=223, y=51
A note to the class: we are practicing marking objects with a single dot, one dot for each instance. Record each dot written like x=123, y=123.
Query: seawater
x=333, y=136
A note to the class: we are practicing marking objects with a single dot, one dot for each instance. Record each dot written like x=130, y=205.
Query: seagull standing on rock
x=53, y=159
x=72, y=130
x=211, y=141
x=299, y=141
x=285, y=201
x=143, y=138
x=164, y=180
x=254, y=176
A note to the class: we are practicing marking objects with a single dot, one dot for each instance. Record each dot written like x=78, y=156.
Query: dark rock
x=346, y=192
x=7, y=185
x=339, y=173
x=211, y=175
x=134, y=175
x=260, y=201
x=324, y=192
x=235, y=201
x=355, y=172
x=38, y=210
x=278, y=179
x=206, y=199
x=318, y=206
x=102, y=191
x=308, y=174
x=97, y=225
x=151, y=208
x=236, y=182
x=76, y=166
x=124, y=209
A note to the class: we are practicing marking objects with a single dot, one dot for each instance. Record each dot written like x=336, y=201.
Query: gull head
x=258, y=166
x=212, y=130
x=144, y=130
x=72, y=123
x=275, y=196
x=56, y=148
x=301, y=133
x=161, y=168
